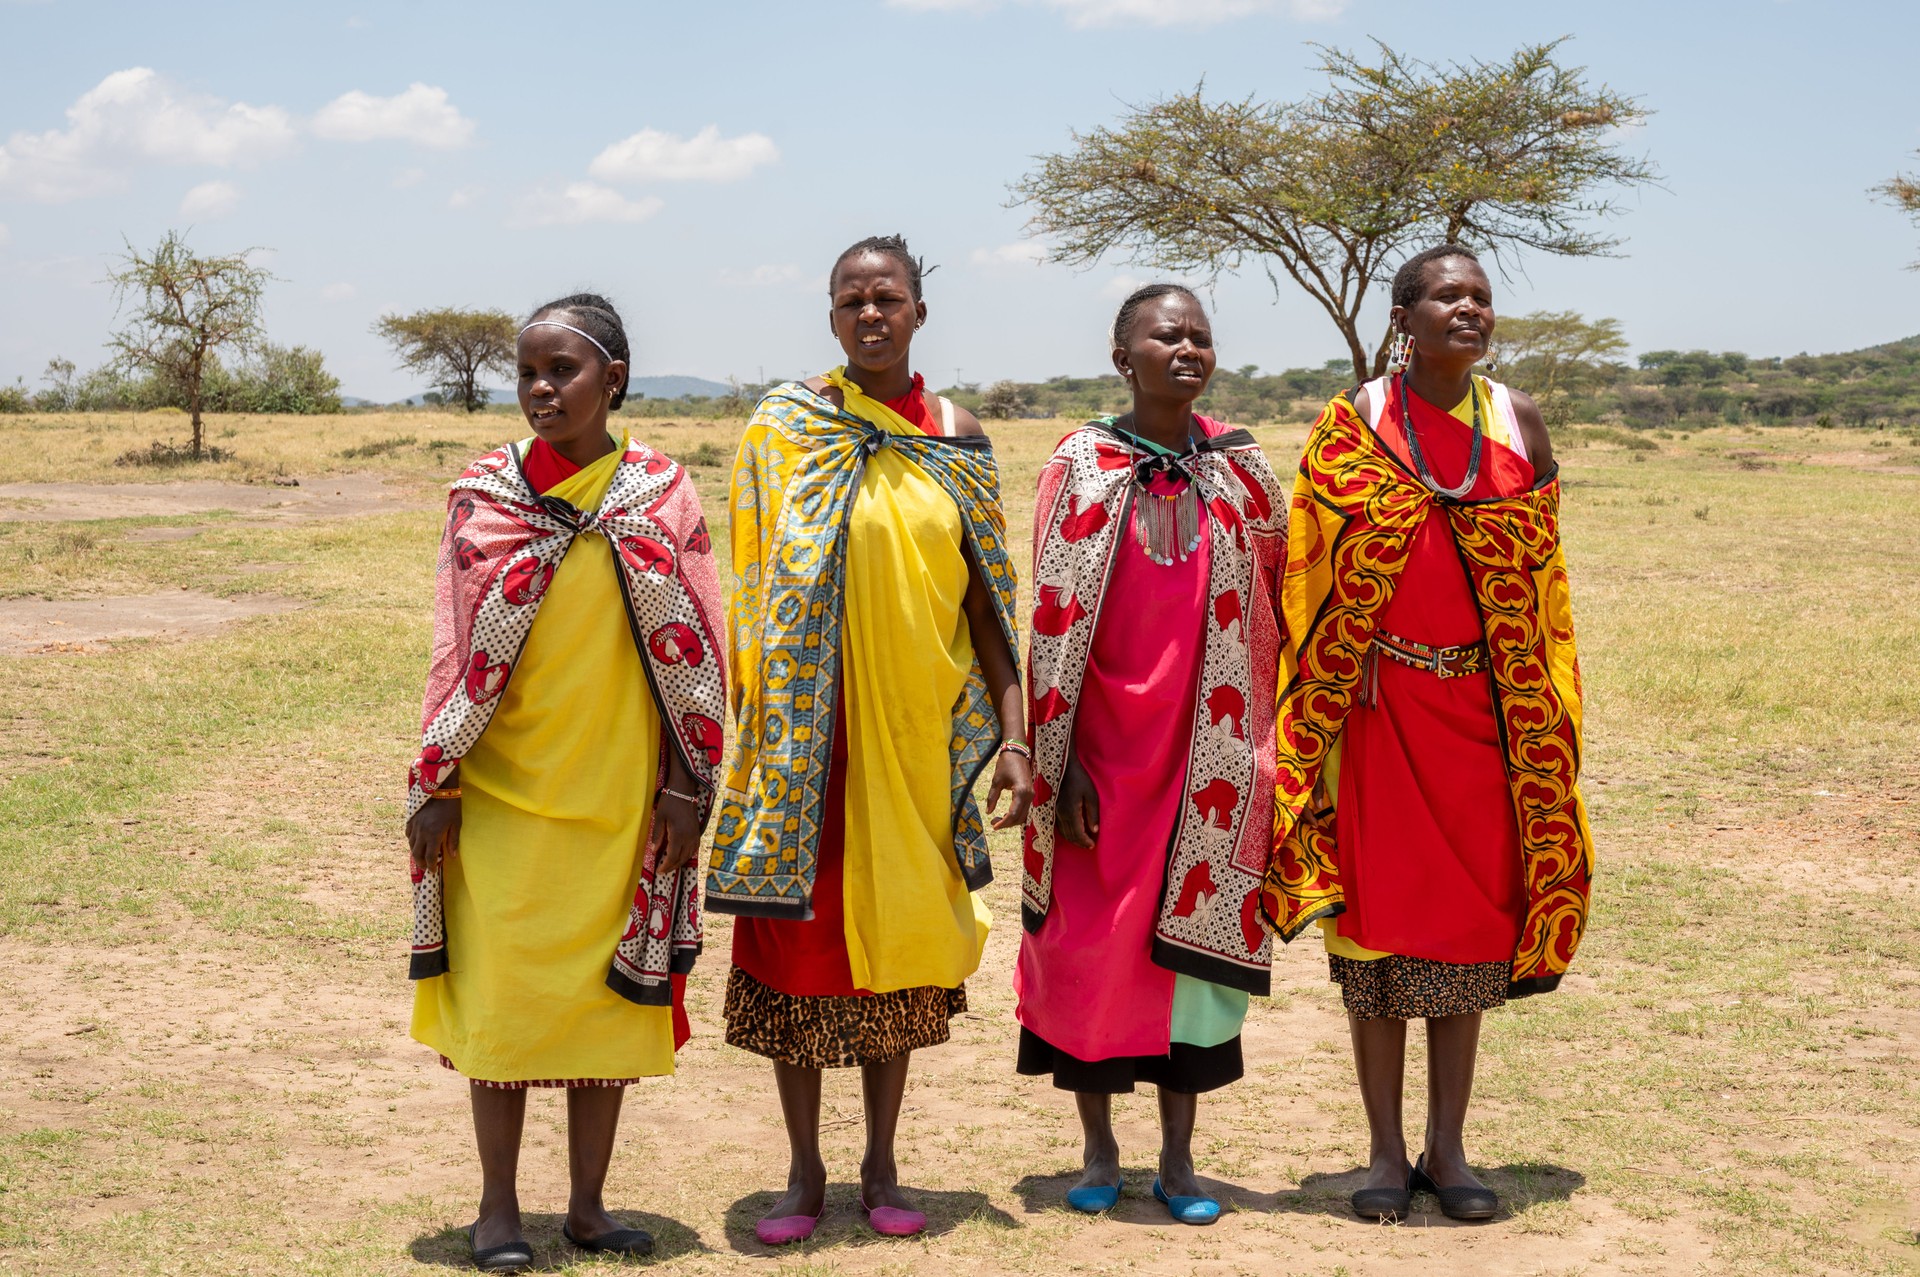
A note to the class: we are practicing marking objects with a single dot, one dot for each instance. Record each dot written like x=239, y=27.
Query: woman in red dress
x=1430, y=814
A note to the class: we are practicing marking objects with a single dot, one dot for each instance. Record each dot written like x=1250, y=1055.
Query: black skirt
x=1190, y=1070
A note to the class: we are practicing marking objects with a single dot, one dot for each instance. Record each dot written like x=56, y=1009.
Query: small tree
x=1903, y=192
x=1333, y=190
x=454, y=348
x=1005, y=400
x=1554, y=355
x=58, y=396
x=185, y=308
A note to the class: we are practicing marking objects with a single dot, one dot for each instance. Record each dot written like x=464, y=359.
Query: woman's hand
x=434, y=834
x=1013, y=774
x=1077, y=815
x=675, y=836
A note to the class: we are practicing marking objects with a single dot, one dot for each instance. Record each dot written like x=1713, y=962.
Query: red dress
x=809, y=959
x=1428, y=844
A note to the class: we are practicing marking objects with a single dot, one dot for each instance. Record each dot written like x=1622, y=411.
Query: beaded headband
x=554, y=323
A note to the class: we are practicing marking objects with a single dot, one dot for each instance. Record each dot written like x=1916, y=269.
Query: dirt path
x=327, y=497
x=36, y=626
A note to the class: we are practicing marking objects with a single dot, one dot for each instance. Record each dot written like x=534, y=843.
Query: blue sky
x=703, y=164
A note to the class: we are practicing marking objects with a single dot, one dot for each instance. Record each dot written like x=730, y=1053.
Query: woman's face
x=1168, y=349
x=565, y=383
x=874, y=313
x=1453, y=320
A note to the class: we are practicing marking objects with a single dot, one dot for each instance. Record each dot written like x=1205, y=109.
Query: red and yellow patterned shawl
x=1355, y=510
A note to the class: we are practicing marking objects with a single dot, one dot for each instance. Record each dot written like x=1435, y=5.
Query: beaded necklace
x=1166, y=527
x=1419, y=459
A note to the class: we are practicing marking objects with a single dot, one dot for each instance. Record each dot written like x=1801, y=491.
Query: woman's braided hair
x=1130, y=309
x=894, y=246
x=592, y=313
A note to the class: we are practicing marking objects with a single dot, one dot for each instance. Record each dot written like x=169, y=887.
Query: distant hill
x=677, y=387
x=669, y=387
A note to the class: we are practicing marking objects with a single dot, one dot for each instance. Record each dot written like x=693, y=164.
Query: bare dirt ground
x=39, y=626
x=323, y=497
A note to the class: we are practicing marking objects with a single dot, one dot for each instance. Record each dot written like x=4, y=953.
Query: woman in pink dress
x=1151, y=705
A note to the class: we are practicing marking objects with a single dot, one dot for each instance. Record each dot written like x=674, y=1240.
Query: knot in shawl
x=502, y=544
x=1207, y=926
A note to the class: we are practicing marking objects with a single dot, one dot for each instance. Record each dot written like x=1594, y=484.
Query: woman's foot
x=498, y=1225
x=1458, y=1189
x=806, y=1193
x=1387, y=1169
x=588, y=1222
x=1177, y=1178
x=888, y=1211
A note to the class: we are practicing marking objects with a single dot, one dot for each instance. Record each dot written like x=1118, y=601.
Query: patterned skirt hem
x=1398, y=987
x=558, y=1083
x=837, y=1032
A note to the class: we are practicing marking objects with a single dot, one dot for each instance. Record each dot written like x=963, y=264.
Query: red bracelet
x=1017, y=747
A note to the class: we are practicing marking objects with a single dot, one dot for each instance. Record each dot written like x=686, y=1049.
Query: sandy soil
x=35, y=626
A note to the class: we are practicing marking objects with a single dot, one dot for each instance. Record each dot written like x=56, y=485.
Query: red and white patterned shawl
x=1207, y=925
x=503, y=542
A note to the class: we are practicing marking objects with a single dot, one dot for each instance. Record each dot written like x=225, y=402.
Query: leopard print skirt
x=1397, y=987
x=834, y=1032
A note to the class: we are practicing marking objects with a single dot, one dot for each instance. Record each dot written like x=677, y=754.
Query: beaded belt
x=1443, y=662
x=1447, y=662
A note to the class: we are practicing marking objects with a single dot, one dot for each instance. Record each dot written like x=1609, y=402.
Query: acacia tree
x=1554, y=355
x=454, y=347
x=1903, y=192
x=185, y=309
x=1331, y=192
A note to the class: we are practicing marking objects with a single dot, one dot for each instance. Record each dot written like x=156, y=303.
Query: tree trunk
x=1358, y=352
x=193, y=402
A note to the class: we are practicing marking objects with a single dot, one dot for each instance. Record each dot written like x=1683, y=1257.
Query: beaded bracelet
x=445, y=793
x=1017, y=747
x=685, y=798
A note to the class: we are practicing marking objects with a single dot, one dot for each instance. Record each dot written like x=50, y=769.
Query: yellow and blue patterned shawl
x=794, y=482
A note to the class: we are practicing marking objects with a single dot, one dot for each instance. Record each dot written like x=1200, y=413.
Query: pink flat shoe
x=787, y=1229
x=892, y=1221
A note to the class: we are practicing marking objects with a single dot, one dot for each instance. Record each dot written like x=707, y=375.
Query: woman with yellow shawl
x=873, y=641
x=1428, y=811
x=565, y=772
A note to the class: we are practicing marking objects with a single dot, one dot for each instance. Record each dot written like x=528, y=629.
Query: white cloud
x=421, y=115
x=1024, y=252
x=210, y=199
x=704, y=157
x=341, y=292
x=135, y=116
x=581, y=202
x=408, y=177
x=1156, y=13
x=465, y=197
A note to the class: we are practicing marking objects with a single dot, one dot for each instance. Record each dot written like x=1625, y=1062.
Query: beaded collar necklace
x=1419, y=459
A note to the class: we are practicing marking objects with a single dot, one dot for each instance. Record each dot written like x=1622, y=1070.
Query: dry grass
x=204, y=1064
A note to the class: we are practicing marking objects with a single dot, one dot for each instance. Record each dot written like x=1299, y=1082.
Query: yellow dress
x=558, y=796
x=910, y=920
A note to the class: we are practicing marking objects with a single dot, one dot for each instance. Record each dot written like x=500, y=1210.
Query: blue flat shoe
x=1188, y=1210
x=1095, y=1200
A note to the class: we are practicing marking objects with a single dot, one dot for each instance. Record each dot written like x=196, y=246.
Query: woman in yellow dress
x=873, y=633
x=571, y=730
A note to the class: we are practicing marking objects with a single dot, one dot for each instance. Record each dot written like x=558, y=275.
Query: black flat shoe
x=1466, y=1202
x=1383, y=1205
x=621, y=1241
x=514, y=1257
